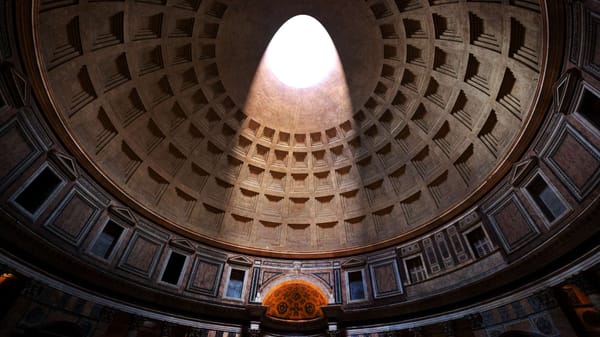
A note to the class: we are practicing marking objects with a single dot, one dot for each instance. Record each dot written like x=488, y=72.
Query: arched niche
x=273, y=282
x=295, y=300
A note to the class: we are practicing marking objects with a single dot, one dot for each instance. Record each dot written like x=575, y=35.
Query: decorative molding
x=16, y=85
x=353, y=262
x=20, y=127
x=529, y=233
x=207, y=286
x=66, y=162
x=139, y=241
x=385, y=268
x=591, y=19
x=563, y=131
x=94, y=210
x=183, y=244
x=123, y=213
x=564, y=90
x=240, y=261
x=521, y=169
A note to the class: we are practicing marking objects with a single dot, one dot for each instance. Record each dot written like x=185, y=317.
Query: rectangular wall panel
x=206, y=276
x=18, y=148
x=431, y=256
x=141, y=254
x=74, y=216
x=440, y=241
x=574, y=160
x=591, y=58
x=512, y=222
x=385, y=278
x=457, y=244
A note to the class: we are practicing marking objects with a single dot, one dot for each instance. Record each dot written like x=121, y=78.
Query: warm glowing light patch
x=301, y=53
x=6, y=276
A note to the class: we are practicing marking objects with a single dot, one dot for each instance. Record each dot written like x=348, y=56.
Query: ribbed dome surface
x=156, y=95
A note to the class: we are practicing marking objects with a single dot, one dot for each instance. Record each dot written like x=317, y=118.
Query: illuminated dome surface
x=177, y=114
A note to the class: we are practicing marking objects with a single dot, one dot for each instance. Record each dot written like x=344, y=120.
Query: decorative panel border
x=385, y=268
x=575, y=26
x=590, y=43
x=530, y=232
x=20, y=126
x=74, y=238
x=431, y=256
x=563, y=131
x=139, y=238
x=198, y=272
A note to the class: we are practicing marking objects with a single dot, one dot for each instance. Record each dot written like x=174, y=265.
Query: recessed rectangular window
x=172, y=271
x=416, y=269
x=545, y=198
x=589, y=107
x=236, y=283
x=38, y=191
x=479, y=243
x=107, y=240
x=356, y=285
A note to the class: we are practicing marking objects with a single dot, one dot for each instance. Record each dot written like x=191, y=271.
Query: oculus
x=301, y=53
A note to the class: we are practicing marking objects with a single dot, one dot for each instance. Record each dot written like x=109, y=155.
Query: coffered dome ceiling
x=162, y=101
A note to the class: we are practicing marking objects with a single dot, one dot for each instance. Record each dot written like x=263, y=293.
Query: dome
x=178, y=113
x=232, y=168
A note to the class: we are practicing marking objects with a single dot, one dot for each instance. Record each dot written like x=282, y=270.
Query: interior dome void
x=192, y=126
x=301, y=53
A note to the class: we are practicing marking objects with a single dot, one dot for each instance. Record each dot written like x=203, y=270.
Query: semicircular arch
x=295, y=300
x=273, y=282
